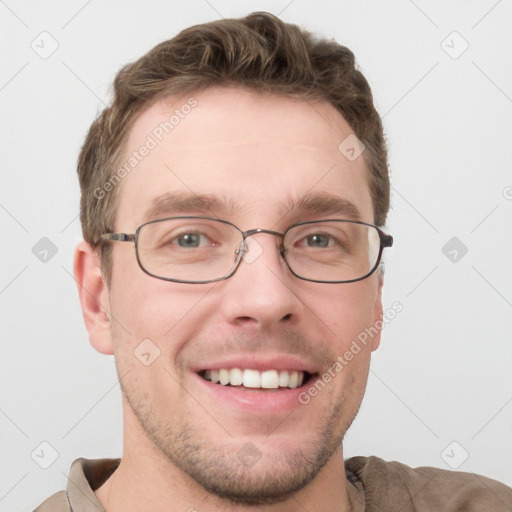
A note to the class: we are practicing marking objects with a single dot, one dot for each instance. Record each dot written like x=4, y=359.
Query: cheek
x=146, y=308
x=348, y=313
x=349, y=310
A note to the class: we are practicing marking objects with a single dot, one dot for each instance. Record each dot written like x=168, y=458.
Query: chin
x=244, y=475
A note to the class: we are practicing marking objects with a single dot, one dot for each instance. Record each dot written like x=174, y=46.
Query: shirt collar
x=85, y=476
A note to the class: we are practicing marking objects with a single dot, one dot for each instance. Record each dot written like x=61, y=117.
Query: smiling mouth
x=255, y=379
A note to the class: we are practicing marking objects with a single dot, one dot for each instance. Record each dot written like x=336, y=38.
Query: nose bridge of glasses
x=242, y=248
x=251, y=232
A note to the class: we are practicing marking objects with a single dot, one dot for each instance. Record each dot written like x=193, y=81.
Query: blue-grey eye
x=189, y=240
x=318, y=241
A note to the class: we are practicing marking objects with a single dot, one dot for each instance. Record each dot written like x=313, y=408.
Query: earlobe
x=94, y=297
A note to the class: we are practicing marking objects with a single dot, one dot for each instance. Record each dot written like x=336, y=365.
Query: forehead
x=252, y=154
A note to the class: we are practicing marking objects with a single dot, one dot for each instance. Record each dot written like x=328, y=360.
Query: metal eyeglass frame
x=385, y=241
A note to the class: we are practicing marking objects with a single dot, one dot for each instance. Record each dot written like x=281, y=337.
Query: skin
x=259, y=150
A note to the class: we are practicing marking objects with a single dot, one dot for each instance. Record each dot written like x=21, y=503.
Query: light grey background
x=442, y=373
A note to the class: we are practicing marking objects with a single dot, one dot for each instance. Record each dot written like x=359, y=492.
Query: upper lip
x=259, y=362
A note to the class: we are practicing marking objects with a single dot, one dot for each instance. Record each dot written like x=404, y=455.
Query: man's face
x=256, y=155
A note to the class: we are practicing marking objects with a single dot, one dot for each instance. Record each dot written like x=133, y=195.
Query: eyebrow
x=319, y=203
x=322, y=204
x=172, y=203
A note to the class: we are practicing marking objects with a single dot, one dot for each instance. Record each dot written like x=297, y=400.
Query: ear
x=94, y=297
x=378, y=311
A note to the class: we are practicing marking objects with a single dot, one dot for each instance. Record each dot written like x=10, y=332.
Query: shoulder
x=420, y=489
x=57, y=502
x=85, y=476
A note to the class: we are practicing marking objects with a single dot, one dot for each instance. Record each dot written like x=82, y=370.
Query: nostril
x=287, y=317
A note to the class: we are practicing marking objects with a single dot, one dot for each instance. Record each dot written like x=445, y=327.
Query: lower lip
x=255, y=400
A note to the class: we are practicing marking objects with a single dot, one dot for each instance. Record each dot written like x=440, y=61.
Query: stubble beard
x=224, y=471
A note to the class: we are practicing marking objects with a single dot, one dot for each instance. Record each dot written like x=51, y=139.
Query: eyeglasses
x=204, y=250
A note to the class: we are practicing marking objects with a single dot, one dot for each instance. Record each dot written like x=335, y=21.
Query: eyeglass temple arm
x=118, y=237
x=386, y=240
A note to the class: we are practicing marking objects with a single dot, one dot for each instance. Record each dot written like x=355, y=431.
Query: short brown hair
x=259, y=52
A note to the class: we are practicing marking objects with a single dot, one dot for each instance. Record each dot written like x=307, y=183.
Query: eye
x=318, y=240
x=191, y=240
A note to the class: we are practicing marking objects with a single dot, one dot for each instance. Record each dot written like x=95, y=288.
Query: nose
x=261, y=292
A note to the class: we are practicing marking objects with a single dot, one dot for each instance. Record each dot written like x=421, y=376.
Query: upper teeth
x=268, y=379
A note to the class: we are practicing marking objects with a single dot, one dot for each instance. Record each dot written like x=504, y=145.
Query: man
x=233, y=201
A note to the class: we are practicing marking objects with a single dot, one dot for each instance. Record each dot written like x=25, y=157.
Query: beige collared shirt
x=386, y=487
